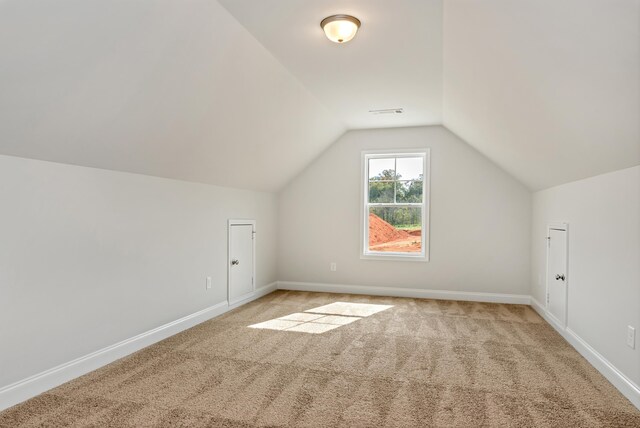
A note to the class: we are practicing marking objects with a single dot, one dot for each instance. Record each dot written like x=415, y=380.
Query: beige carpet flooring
x=419, y=363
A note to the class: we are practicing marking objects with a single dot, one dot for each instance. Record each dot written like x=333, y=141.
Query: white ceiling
x=394, y=61
x=169, y=88
x=547, y=89
x=248, y=94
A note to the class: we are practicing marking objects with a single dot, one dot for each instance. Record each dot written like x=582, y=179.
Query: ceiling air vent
x=387, y=111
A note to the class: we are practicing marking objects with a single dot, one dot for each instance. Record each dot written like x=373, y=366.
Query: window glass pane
x=381, y=192
x=408, y=192
x=395, y=229
x=382, y=169
x=410, y=168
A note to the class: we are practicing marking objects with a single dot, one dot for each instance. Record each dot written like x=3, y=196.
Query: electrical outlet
x=631, y=337
x=208, y=283
x=333, y=267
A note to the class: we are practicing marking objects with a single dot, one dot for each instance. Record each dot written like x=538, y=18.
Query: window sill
x=394, y=257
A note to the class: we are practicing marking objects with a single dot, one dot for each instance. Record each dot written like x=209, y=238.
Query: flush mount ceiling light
x=340, y=28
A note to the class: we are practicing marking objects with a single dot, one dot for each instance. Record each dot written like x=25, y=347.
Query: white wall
x=603, y=213
x=480, y=219
x=90, y=257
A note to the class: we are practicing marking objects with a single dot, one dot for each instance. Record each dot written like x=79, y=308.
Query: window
x=396, y=212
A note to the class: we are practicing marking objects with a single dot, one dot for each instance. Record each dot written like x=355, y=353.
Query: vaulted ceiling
x=395, y=61
x=172, y=88
x=246, y=93
x=547, y=89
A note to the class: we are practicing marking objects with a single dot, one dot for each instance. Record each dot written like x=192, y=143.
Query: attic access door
x=557, y=280
x=241, y=262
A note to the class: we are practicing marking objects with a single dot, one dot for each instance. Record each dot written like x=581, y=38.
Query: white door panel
x=241, y=282
x=557, y=275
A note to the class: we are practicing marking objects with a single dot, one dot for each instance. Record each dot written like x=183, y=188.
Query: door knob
x=237, y=262
x=560, y=277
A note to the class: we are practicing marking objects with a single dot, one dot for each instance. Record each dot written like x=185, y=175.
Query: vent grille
x=387, y=111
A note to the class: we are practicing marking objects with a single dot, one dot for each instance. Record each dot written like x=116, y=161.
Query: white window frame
x=364, y=205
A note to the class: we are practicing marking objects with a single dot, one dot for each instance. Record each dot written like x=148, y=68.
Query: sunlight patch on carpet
x=322, y=319
x=350, y=309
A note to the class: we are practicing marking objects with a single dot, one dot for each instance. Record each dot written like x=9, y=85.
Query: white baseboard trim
x=625, y=385
x=542, y=311
x=538, y=308
x=41, y=382
x=405, y=292
x=262, y=291
x=22, y=390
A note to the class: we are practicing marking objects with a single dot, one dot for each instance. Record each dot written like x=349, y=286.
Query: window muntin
x=395, y=205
